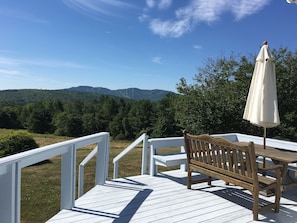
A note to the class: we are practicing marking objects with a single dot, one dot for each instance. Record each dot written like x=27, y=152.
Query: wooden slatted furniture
x=236, y=164
x=281, y=157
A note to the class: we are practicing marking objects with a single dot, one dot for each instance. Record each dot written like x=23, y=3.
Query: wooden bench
x=236, y=164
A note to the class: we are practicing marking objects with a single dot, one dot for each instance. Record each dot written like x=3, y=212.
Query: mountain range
x=128, y=93
x=24, y=96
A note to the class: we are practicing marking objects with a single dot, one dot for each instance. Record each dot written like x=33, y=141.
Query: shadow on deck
x=165, y=198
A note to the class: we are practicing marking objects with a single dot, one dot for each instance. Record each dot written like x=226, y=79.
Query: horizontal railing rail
x=276, y=143
x=11, y=166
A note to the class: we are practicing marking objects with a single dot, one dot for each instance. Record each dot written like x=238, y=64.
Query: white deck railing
x=11, y=166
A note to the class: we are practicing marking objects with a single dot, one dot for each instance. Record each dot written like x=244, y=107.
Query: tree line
x=123, y=119
x=213, y=103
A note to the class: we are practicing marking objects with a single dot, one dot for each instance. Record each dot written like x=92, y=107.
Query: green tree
x=54, y=106
x=215, y=103
x=286, y=80
x=120, y=127
x=9, y=119
x=165, y=124
x=89, y=124
x=68, y=125
x=40, y=119
x=141, y=116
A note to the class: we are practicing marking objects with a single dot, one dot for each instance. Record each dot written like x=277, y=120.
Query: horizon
x=121, y=44
x=84, y=86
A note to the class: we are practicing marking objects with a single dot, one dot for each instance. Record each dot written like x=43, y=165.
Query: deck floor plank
x=165, y=198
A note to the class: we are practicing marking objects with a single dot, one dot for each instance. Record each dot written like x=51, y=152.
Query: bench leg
x=277, y=202
x=277, y=192
x=209, y=180
x=255, y=205
x=189, y=179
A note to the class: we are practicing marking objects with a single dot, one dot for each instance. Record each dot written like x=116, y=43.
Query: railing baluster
x=81, y=170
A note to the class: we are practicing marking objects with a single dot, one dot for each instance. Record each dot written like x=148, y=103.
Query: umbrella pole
x=264, y=146
x=264, y=142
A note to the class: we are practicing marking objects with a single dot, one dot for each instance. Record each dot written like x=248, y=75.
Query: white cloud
x=201, y=10
x=173, y=29
x=157, y=60
x=242, y=9
x=9, y=72
x=143, y=17
x=4, y=61
x=161, y=4
x=150, y=3
x=197, y=46
x=99, y=7
x=198, y=11
x=21, y=15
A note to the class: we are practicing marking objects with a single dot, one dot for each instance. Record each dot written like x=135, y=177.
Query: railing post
x=81, y=174
x=144, y=154
x=183, y=167
x=102, y=161
x=115, y=169
x=68, y=178
x=10, y=184
x=153, y=167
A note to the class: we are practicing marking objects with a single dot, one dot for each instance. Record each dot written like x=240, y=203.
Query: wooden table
x=280, y=157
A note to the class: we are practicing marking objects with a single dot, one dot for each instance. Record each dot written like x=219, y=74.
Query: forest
x=213, y=102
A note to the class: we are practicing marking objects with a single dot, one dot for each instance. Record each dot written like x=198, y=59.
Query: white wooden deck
x=165, y=198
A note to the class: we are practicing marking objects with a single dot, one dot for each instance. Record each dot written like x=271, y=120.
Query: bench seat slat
x=171, y=159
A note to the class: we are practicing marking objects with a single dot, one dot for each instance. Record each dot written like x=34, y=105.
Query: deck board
x=165, y=198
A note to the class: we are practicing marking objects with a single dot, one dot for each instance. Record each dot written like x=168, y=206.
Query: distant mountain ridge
x=24, y=96
x=129, y=93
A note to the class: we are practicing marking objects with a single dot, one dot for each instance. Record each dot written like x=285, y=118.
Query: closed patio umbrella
x=261, y=107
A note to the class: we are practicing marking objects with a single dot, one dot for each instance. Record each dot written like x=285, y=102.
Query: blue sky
x=117, y=44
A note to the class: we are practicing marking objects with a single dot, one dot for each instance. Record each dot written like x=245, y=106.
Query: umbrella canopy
x=261, y=107
x=292, y=1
